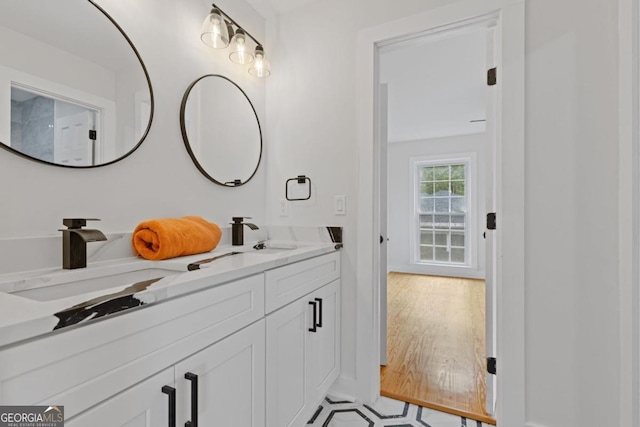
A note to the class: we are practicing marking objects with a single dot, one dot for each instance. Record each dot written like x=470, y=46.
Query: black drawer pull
x=319, y=324
x=194, y=399
x=171, y=392
x=315, y=316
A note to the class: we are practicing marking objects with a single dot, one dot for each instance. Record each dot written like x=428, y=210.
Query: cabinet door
x=143, y=405
x=287, y=337
x=230, y=381
x=324, y=346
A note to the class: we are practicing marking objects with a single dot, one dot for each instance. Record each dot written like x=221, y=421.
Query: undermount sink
x=70, y=284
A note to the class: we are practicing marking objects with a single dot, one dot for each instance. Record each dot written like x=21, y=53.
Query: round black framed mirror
x=221, y=130
x=74, y=89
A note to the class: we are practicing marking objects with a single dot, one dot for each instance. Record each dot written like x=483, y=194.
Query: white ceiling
x=436, y=86
x=280, y=6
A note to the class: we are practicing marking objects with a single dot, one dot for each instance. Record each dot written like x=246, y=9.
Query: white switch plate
x=340, y=205
x=284, y=207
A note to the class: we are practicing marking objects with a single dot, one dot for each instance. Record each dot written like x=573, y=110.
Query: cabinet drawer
x=286, y=284
x=84, y=366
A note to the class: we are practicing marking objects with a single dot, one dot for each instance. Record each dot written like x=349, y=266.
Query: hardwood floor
x=436, y=344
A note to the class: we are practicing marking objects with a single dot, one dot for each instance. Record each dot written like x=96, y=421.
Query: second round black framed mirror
x=221, y=130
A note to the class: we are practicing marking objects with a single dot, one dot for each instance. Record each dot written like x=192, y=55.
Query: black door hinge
x=492, y=77
x=93, y=135
x=491, y=365
x=491, y=221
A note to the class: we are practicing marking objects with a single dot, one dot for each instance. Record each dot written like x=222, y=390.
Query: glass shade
x=214, y=31
x=260, y=67
x=239, y=52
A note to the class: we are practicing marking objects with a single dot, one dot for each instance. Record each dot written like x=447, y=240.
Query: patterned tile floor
x=384, y=413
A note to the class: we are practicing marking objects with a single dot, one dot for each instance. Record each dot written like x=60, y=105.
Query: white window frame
x=471, y=194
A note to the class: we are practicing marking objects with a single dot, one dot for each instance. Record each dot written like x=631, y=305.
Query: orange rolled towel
x=165, y=238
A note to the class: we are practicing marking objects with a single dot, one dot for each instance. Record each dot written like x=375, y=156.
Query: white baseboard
x=344, y=389
x=534, y=425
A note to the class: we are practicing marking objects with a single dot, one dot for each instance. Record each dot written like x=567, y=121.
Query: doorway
x=54, y=129
x=509, y=154
x=436, y=163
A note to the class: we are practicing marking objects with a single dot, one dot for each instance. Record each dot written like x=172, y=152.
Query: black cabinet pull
x=194, y=400
x=319, y=324
x=315, y=316
x=171, y=392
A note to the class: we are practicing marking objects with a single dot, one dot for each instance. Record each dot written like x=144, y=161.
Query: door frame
x=382, y=108
x=629, y=210
x=511, y=214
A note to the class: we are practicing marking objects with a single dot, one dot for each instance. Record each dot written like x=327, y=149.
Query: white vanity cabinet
x=257, y=351
x=91, y=367
x=220, y=385
x=303, y=339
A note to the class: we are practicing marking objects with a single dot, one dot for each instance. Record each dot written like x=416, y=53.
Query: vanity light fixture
x=220, y=31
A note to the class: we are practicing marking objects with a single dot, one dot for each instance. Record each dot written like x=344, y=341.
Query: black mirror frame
x=185, y=137
x=146, y=132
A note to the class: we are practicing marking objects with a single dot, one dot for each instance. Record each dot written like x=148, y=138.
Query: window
x=442, y=212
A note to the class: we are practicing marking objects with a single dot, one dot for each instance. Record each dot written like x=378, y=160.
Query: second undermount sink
x=258, y=249
x=271, y=251
x=269, y=248
x=68, y=284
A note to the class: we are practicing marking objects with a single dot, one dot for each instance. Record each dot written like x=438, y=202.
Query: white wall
x=311, y=123
x=159, y=179
x=401, y=203
x=572, y=252
x=572, y=339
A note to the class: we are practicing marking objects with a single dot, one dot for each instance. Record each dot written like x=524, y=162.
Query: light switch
x=340, y=205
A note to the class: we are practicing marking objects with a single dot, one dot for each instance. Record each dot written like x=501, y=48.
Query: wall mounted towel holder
x=300, y=179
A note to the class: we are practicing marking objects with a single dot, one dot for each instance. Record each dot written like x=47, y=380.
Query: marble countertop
x=22, y=317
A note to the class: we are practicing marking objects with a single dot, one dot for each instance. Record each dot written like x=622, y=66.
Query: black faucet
x=74, y=242
x=237, y=229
